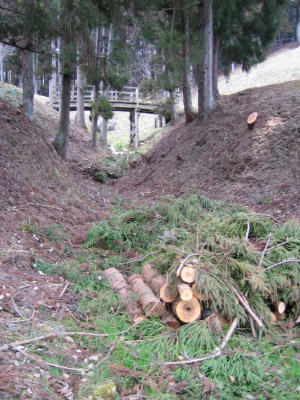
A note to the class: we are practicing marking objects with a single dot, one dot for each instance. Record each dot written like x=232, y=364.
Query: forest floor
x=47, y=207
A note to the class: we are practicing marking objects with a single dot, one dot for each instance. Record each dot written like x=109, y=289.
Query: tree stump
x=251, y=120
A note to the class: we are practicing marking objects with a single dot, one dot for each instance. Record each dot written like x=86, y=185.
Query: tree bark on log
x=167, y=294
x=153, y=279
x=187, y=311
x=199, y=295
x=118, y=283
x=170, y=320
x=150, y=303
x=148, y=273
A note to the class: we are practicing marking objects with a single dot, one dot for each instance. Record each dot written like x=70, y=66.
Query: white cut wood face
x=252, y=118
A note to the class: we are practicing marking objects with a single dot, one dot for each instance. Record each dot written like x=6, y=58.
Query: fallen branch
x=285, y=261
x=247, y=307
x=136, y=260
x=179, y=269
x=218, y=351
x=64, y=289
x=63, y=334
x=264, y=252
x=248, y=231
x=40, y=361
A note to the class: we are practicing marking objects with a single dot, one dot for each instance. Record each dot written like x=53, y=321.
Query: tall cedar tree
x=76, y=19
x=24, y=25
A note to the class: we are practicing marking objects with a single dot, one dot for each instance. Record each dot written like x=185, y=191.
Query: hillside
x=223, y=160
x=53, y=287
x=37, y=187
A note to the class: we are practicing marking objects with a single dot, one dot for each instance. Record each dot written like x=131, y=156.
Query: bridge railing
x=129, y=94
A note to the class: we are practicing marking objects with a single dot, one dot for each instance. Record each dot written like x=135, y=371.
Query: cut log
x=150, y=303
x=148, y=273
x=118, y=283
x=185, y=292
x=187, y=311
x=188, y=273
x=251, y=120
x=273, y=317
x=200, y=295
x=170, y=320
x=156, y=282
x=167, y=294
x=280, y=316
x=280, y=306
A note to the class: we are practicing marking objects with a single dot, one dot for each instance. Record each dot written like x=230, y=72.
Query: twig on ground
x=13, y=251
x=64, y=289
x=264, y=252
x=286, y=260
x=276, y=245
x=24, y=319
x=63, y=334
x=218, y=352
x=232, y=328
x=248, y=231
x=138, y=259
x=247, y=307
x=40, y=361
x=253, y=328
x=179, y=269
x=54, y=207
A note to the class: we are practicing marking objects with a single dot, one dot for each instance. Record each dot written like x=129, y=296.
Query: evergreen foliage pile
x=225, y=239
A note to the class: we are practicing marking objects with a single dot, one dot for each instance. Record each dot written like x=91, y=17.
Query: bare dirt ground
x=224, y=160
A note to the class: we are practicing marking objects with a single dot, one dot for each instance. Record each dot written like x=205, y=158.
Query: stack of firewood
x=156, y=297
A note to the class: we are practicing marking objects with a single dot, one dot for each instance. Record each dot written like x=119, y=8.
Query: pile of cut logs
x=156, y=297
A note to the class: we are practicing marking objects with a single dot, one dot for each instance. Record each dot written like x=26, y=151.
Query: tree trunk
x=186, y=82
x=216, y=68
x=1, y=62
x=94, y=118
x=206, y=99
x=103, y=133
x=80, y=99
x=35, y=82
x=173, y=107
x=297, y=30
x=54, y=79
x=62, y=136
x=27, y=82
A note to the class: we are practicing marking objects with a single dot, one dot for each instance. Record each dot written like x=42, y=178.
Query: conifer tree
x=24, y=25
x=75, y=19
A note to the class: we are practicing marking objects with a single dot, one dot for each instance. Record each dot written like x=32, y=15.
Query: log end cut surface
x=188, y=311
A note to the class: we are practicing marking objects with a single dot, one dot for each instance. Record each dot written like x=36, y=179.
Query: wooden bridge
x=126, y=100
x=129, y=99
